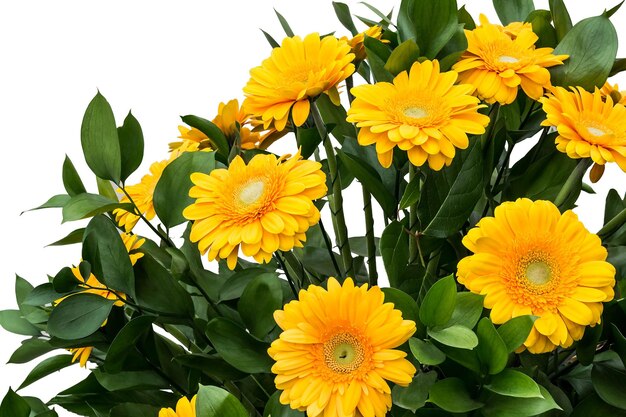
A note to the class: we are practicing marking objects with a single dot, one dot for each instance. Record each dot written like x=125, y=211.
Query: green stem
x=413, y=252
x=335, y=200
x=329, y=248
x=369, y=237
x=164, y=238
x=280, y=261
x=573, y=180
x=614, y=224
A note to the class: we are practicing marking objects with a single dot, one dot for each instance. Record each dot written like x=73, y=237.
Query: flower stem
x=614, y=224
x=335, y=200
x=369, y=237
x=573, y=180
x=413, y=250
x=164, y=238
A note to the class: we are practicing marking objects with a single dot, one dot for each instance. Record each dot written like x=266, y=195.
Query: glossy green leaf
x=284, y=24
x=430, y=22
x=57, y=201
x=542, y=26
x=79, y=316
x=30, y=349
x=394, y=248
x=308, y=139
x=234, y=286
x=593, y=406
x=125, y=341
x=211, y=365
x=105, y=251
x=65, y=280
x=519, y=407
x=273, y=408
x=403, y=302
x=98, y=137
x=438, y=304
x=411, y=193
x=343, y=14
x=513, y=10
x=13, y=321
x=618, y=66
x=270, y=40
x=514, y=384
x=415, y=395
x=452, y=395
x=592, y=46
x=86, y=205
x=262, y=296
x=560, y=17
x=215, y=135
x=171, y=194
x=71, y=180
x=402, y=57
x=75, y=236
x=131, y=145
x=515, y=331
x=216, y=402
x=467, y=309
x=610, y=384
x=46, y=367
x=238, y=347
x=377, y=55
x=14, y=406
x=492, y=351
x=130, y=380
x=455, y=336
x=587, y=346
x=425, y=352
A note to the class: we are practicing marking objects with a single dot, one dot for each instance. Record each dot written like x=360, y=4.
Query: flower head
x=336, y=351
x=298, y=70
x=356, y=43
x=184, y=408
x=590, y=125
x=617, y=95
x=81, y=354
x=260, y=207
x=422, y=112
x=230, y=116
x=192, y=140
x=531, y=259
x=499, y=60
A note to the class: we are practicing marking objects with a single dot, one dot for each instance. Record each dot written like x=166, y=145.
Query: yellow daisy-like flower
x=423, y=112
x=298, y=70
x=617, y=95
x=356, y=43
x=336, y=352
x=497, y=62
x=531, y=259
x=590, y=125
x=81, y=354
x=184, y=408
x=230, y=114
x=513, y=29
x=192, y=140
x=142, y=195
x=261, y=207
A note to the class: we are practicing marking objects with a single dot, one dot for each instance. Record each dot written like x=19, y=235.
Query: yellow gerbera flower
x=264, y=206
x=422, y=112
x=297, y=71
x=192, y=140
x=184, y=408
x=589, y=125
x=81, y=354
x=356, y=43
x=531, y=259
x=497, y=62
x=142, y=195
x=336, y=351
x=230, y=115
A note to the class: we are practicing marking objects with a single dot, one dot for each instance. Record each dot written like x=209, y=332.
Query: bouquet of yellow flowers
x=250, y=296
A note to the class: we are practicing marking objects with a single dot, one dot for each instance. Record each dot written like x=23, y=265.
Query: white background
x=160, y=59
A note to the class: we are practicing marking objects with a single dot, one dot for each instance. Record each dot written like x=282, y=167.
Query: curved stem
x=614, y=224
x=369, y=237
x=574, y=179
x=164, y=238
x=280, y=261
x=413, y=241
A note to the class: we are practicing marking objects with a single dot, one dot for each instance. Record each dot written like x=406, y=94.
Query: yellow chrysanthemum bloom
x=498, y=63
x=192, y=140
x=298, y=70
x=423, y=112
x=184, y=408
x=81, y=354
x=261, y=207
x=356, y=43
x=617, y=95
x=531, y=259
x=590, y=125
x=336, y=351
x=142, y=195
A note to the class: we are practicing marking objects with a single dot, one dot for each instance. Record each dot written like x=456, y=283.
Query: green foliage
x=131, y=145
x=431, y=23
x=216, y=402
x=513, y=10
x=78, y=316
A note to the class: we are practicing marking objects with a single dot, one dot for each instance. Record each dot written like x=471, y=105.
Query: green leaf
x=171, y=194
x=586, y=347
x=284, y=24
x=519, y=407
x=449, y=196
x=455, y=336
x=211, y=365
x=593, y=406
x=56, y=201
x=216, y=136
x=41, y=295
x=438, y=304
x=216, y=402
x=71, y=180
x=238, y=347
x=79, y=316
x=467, y=309
x=105, y=251
x=98, y=137
x=513, y=10
x=12, y=321
x=610, y=384
x=514, y=384
x=492, y=351
x=451, y=395
x=270, y=40
x=403, y=302
x=65, y=280
x=75, y=236
x=14, y=406
x=425, y=352
x=560, y=17
x=618, y=66
x=343, y=14
x=371, y=181
x=158, y=290
x=358, y=245
x=465, y=18
x=515, y=331
x=234, y=286
x=125, y=341
x=130, y=380
x=273, y=408
x=620, y=343
x=308, y=139
x=105, y=189
x=46, y=367
x=131, y=145
x=411, y=193
x=613, y=10
x=592, y=46
x=262, y=296
x=415, y=395
x=394, y=248
x=430, y=22
x=377, y=55
x=86, y=205
x=31, y=349
x=135, y=410
x=402, y=57
x=542, y=26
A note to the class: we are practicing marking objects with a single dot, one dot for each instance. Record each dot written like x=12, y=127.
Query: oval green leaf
x=425, y=352
x=216, y=402
x=131, y=145
x=451, y=395
x=492, y=351
x=514, y=384
x=79, y=316
x=455, y=336
x=262, y=296
x=438, y=304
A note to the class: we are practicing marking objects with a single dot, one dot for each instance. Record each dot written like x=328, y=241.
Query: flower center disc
x=415, y=112
x=343, y=353
x=251, y=192
x=507, y=59
x=538, y=273
x=595, y=131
